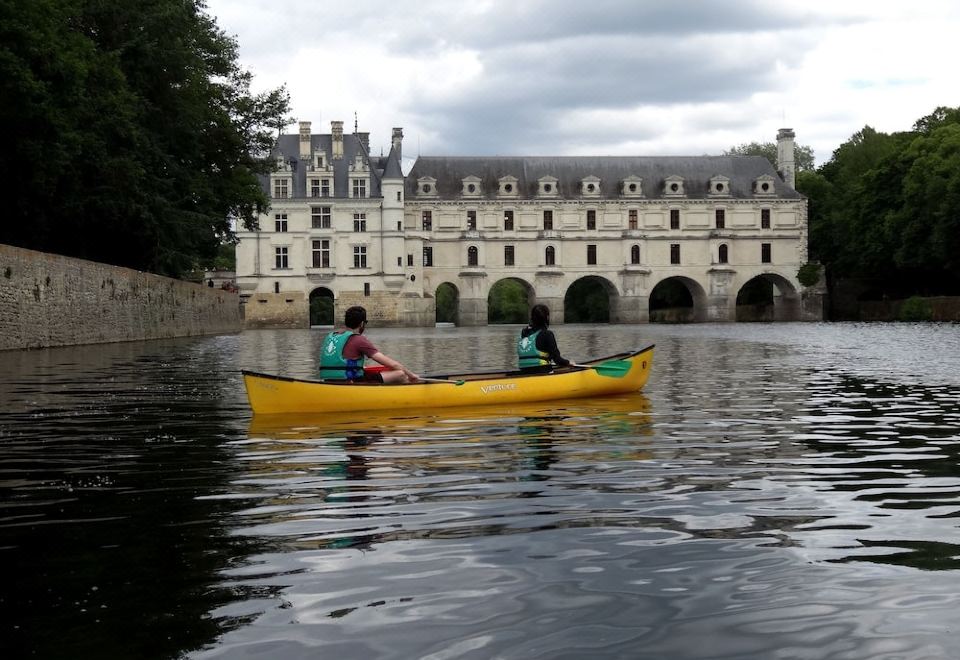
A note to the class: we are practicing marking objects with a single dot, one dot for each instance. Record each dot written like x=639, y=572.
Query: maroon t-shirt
x=358, y=345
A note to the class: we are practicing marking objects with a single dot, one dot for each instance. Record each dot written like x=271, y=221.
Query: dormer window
x=359, y=164
x=763, y=186
x=673, y=186
x=547, y=186
x=719, y=186
x=632, y=186
x=281, y=187
x=320, y=161
x=508, y=186
x=471, y=186
x=427, y=186
x=590, y=186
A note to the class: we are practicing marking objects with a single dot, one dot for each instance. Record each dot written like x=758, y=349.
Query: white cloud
x=606, y=77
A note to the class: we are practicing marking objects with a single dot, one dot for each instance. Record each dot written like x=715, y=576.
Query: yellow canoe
x=616, y=374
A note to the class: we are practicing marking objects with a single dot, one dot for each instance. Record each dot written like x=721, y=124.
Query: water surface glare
x=776, y=491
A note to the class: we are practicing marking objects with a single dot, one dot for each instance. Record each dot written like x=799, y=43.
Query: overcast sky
x=601, y=77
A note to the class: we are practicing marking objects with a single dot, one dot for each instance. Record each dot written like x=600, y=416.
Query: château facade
x=350, y=227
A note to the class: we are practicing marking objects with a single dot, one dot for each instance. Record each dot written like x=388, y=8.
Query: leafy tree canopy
x=803, y=155
x=136, y=139
x=887, y=207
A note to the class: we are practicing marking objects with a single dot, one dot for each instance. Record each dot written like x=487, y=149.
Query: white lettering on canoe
x=499, y=387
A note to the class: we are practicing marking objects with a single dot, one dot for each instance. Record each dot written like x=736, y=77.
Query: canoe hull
x=274, y=394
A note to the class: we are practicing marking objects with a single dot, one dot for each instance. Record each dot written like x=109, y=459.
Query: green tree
x=886, y=207
x=447, y=303
x=586, y=301
x=508, y=303
x=927, y=225
x=803, y=155
x=135, y=137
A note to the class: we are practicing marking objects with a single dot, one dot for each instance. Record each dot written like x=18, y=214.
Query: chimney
x=364, y=139
x=785, y=159
x=397, y=141
x=304, y=140
x=336, y=131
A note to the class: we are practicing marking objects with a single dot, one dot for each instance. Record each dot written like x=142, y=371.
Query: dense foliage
x=886, y=208
x=802, y=154
x=134, y=136
x=447, y=303
x=586, y=301
x=508, y=302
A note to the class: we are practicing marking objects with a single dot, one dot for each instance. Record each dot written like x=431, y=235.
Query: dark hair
x=539, y=316
x=354, y=317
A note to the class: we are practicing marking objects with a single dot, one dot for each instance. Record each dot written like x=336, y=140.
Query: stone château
x=352, y=227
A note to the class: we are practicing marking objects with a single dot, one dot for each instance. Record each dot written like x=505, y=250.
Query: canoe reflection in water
x=351, y=480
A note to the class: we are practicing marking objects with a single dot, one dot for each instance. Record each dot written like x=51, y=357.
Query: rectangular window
x=765, y=253
x=547, y=220
x=359, y=222
x=508, y=220
x=321, y=254
x=427, y=220
x=320, y=217
x=280, y=188
x=721, y=218
x=674, y=218
x=592, y=255
x=428, y=256
x=359, y=256
x=410, y=260
x=359, y=187
x=324, y=187
x=314, y=187
x=280, y=222
x=366, y=288
x=282, y=257
x=507, y=255
x=591, y=219
x=471, y=220
x=632, y=222
x=765, y=218
x=675, y=253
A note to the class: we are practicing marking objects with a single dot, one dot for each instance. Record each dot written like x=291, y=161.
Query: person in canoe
x=537, y=347
x=343, y=352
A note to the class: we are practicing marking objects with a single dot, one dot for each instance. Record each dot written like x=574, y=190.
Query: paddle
x=610, y=368
x=458, y=383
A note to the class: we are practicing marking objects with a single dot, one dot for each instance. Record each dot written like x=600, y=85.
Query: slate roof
x=288, y=146
x=696, y=171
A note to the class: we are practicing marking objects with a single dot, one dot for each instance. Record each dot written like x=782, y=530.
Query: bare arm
x=388, y=361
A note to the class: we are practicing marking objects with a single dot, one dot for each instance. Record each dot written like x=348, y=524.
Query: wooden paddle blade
x=614, y=368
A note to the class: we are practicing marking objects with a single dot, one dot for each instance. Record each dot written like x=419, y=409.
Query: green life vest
x=333, y=366
x=528, y=354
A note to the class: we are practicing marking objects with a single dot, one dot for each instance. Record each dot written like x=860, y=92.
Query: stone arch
x=509, y=300
x=322, y=307
x=678, y=299
x=768, y=297
x=591, y=299
x=447, y=299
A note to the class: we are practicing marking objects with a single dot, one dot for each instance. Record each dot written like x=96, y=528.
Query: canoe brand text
x=499, y=387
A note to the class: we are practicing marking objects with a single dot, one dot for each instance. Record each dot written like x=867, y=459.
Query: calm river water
x=776, y=491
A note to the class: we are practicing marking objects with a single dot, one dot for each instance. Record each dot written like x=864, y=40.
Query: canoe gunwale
x=472, y=376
